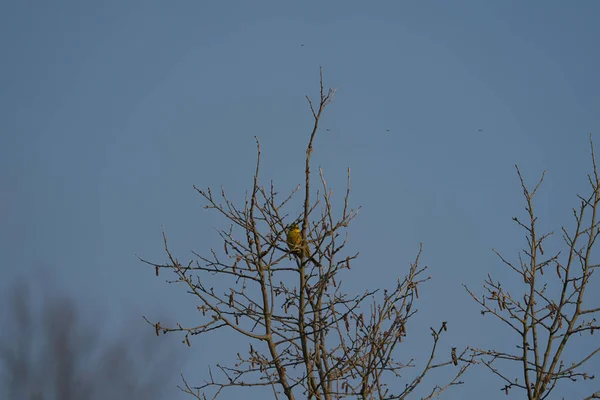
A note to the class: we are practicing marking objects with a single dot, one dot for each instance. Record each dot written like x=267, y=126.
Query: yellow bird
x=295, y=242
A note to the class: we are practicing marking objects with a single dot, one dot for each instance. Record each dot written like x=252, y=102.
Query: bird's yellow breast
x=295, y=241
x=294, y=237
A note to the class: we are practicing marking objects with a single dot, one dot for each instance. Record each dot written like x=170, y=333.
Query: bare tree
x=54, y=353
x=306, y=336
x=550, y=312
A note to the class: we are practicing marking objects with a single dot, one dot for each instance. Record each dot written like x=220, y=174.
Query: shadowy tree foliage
x=548, y=314
x=51, y=352
x=307, y=337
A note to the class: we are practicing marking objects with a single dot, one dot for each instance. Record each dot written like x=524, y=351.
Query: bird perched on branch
x=295, y=242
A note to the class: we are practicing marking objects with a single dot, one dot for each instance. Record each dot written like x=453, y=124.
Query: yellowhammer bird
x=295, y=242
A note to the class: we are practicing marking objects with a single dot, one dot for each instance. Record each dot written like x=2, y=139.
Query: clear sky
x=110, y=111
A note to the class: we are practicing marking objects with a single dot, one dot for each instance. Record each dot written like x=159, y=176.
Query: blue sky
x=111, y=111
